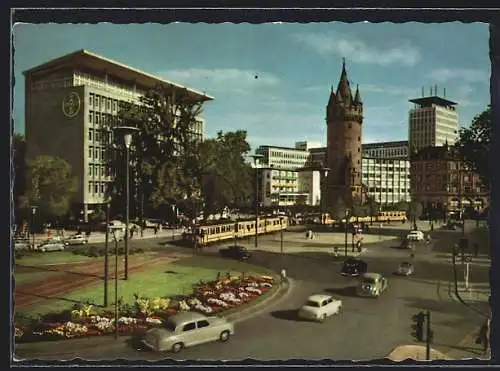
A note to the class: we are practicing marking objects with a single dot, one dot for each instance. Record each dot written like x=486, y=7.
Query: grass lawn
x=30, y=276
x=171, y=279
x=56, y=257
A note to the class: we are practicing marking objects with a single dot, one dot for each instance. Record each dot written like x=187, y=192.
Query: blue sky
x=273, y=80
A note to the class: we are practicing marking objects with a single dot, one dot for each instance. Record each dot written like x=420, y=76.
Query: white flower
x=155, y=321
x=265, y=284
x=227, y=296
x=243, y=295
x=217, y=302
x=183, y=306
x=203, y=308
x=253, y=289
x=127, y=320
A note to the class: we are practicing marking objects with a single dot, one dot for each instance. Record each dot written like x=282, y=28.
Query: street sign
x=467, y=259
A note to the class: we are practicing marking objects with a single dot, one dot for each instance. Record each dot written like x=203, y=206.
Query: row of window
x=103, y=103
x=388, y=190
x=97, y=188
x=99, y=153
x=97, y=170
x=99, y=118
x=100, y=136
x=280, y=154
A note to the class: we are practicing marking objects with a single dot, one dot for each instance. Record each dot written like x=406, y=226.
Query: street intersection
x=366, y=329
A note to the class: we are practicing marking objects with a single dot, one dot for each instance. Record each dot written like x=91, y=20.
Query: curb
x=253, y=310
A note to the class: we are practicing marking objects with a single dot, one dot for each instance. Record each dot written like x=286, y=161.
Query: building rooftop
x=398, y=143
x=279, y=147
x=90, y=60
x=426, y=101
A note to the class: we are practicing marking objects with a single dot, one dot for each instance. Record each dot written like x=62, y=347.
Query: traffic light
x=418, y=326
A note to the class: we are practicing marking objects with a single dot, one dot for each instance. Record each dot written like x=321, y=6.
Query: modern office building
x=386, y=171
x=67, y=101
x=433, y=121
x=440, y=180
x=281, y=187
x=282, y=157
x=307, y=145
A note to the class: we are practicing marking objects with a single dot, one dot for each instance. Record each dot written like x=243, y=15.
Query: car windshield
x=312, y=303
x=369, y=280
x=405, y=264
x=170, y=326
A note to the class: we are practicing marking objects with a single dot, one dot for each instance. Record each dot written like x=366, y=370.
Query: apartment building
x=433, y=121
x=440, y=180
x=386, y=171
x=67, y=101
x=283, y=157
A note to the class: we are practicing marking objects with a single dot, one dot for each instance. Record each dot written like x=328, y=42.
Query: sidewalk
x=415, y=352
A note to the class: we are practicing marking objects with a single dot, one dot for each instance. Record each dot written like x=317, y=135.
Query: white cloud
x=221, y=78
x=358, y=51
x=469, y=75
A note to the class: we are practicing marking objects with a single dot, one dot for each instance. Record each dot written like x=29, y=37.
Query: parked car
x=415, y=236
x=21, y=244
x=371, y=284
x=405, y=269
x=235, y=252
x=51, y=245
x=78, y=239
x=186, y=329
x=320, y=307
x=353, y=267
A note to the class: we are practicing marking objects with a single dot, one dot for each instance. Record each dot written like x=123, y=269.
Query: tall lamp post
x=256, y=158
x=345, y=227
x=33, y=215
x=127, y=132
x=106, y=255
x=325, y=171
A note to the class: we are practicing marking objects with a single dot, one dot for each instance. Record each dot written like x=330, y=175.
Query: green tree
x=402, y=206
x=165, y=149
x=51, y=187
x=338, y=209
x=473, y=145
x=19, y=162
x=414, y=212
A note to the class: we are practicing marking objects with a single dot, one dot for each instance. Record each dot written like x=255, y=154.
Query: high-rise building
x=344, y=118
x=66, y=102
x=433, y=121
x=282, y=157
x=386, y=171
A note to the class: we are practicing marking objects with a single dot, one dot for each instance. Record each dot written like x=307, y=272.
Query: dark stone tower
x=344, y=117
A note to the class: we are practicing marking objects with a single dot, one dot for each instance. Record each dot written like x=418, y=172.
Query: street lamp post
x=106, y=256
x=256, y=158
x=345, y=245
x=33, y=214
x=323, y=194
x=116, y=286
x=281, y=236
x=127, y=132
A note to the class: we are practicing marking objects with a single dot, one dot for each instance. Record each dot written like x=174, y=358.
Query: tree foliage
x=415, y=211
x=165, y=149
x=50, y=186
x=19, y=159
x=473, y=145
x=338, y=209
x=225, y=177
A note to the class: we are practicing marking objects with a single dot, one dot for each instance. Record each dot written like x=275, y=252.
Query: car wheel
x=61, y=248
x=323, y=317
x=224, y=336
x=177, y=347
x=43, y=249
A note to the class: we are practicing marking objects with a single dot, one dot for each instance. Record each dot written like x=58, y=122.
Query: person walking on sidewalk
x=283, y=275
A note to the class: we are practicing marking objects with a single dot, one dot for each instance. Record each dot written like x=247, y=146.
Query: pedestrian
x=359, y=245
x=476, y=250
x=155, y=230
x=335, y=251
x=484, y=336
x=283, y=275
x=428, y=239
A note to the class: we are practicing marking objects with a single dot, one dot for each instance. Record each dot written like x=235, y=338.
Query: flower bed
x=208, y=298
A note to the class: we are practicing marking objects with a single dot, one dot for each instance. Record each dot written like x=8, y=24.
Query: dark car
x=353, y=267
x=235, y=252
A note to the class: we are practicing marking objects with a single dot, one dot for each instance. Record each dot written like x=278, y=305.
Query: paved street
x=367, y=328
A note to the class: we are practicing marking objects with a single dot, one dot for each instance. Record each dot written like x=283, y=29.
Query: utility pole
x=256, y=158
x=345, y=227
x=106, y=256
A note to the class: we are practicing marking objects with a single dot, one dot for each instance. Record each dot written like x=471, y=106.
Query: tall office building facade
x=433, y=122
x=386, y=172
x=67, y=102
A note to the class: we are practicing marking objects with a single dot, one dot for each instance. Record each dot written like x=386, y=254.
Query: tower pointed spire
x=343, y=88
x=357, y=96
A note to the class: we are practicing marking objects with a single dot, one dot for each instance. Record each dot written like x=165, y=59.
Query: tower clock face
x=71, y=105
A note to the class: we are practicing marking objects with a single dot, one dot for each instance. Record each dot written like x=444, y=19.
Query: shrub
x=18, y=255
x=63, y=316
x=93, y=251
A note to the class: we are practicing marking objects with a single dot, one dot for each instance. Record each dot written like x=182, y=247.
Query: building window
x=91, y=114
x=96, y=101
x=91, y=151
x=91, y=188
x=90, y=170
x=96, y=153
x=97, y=136
x=103, y=154
x=96, y=190
x=91, y=99
x=108, y=104
x=97, y=118
x=102, y=187
x=90, y=134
